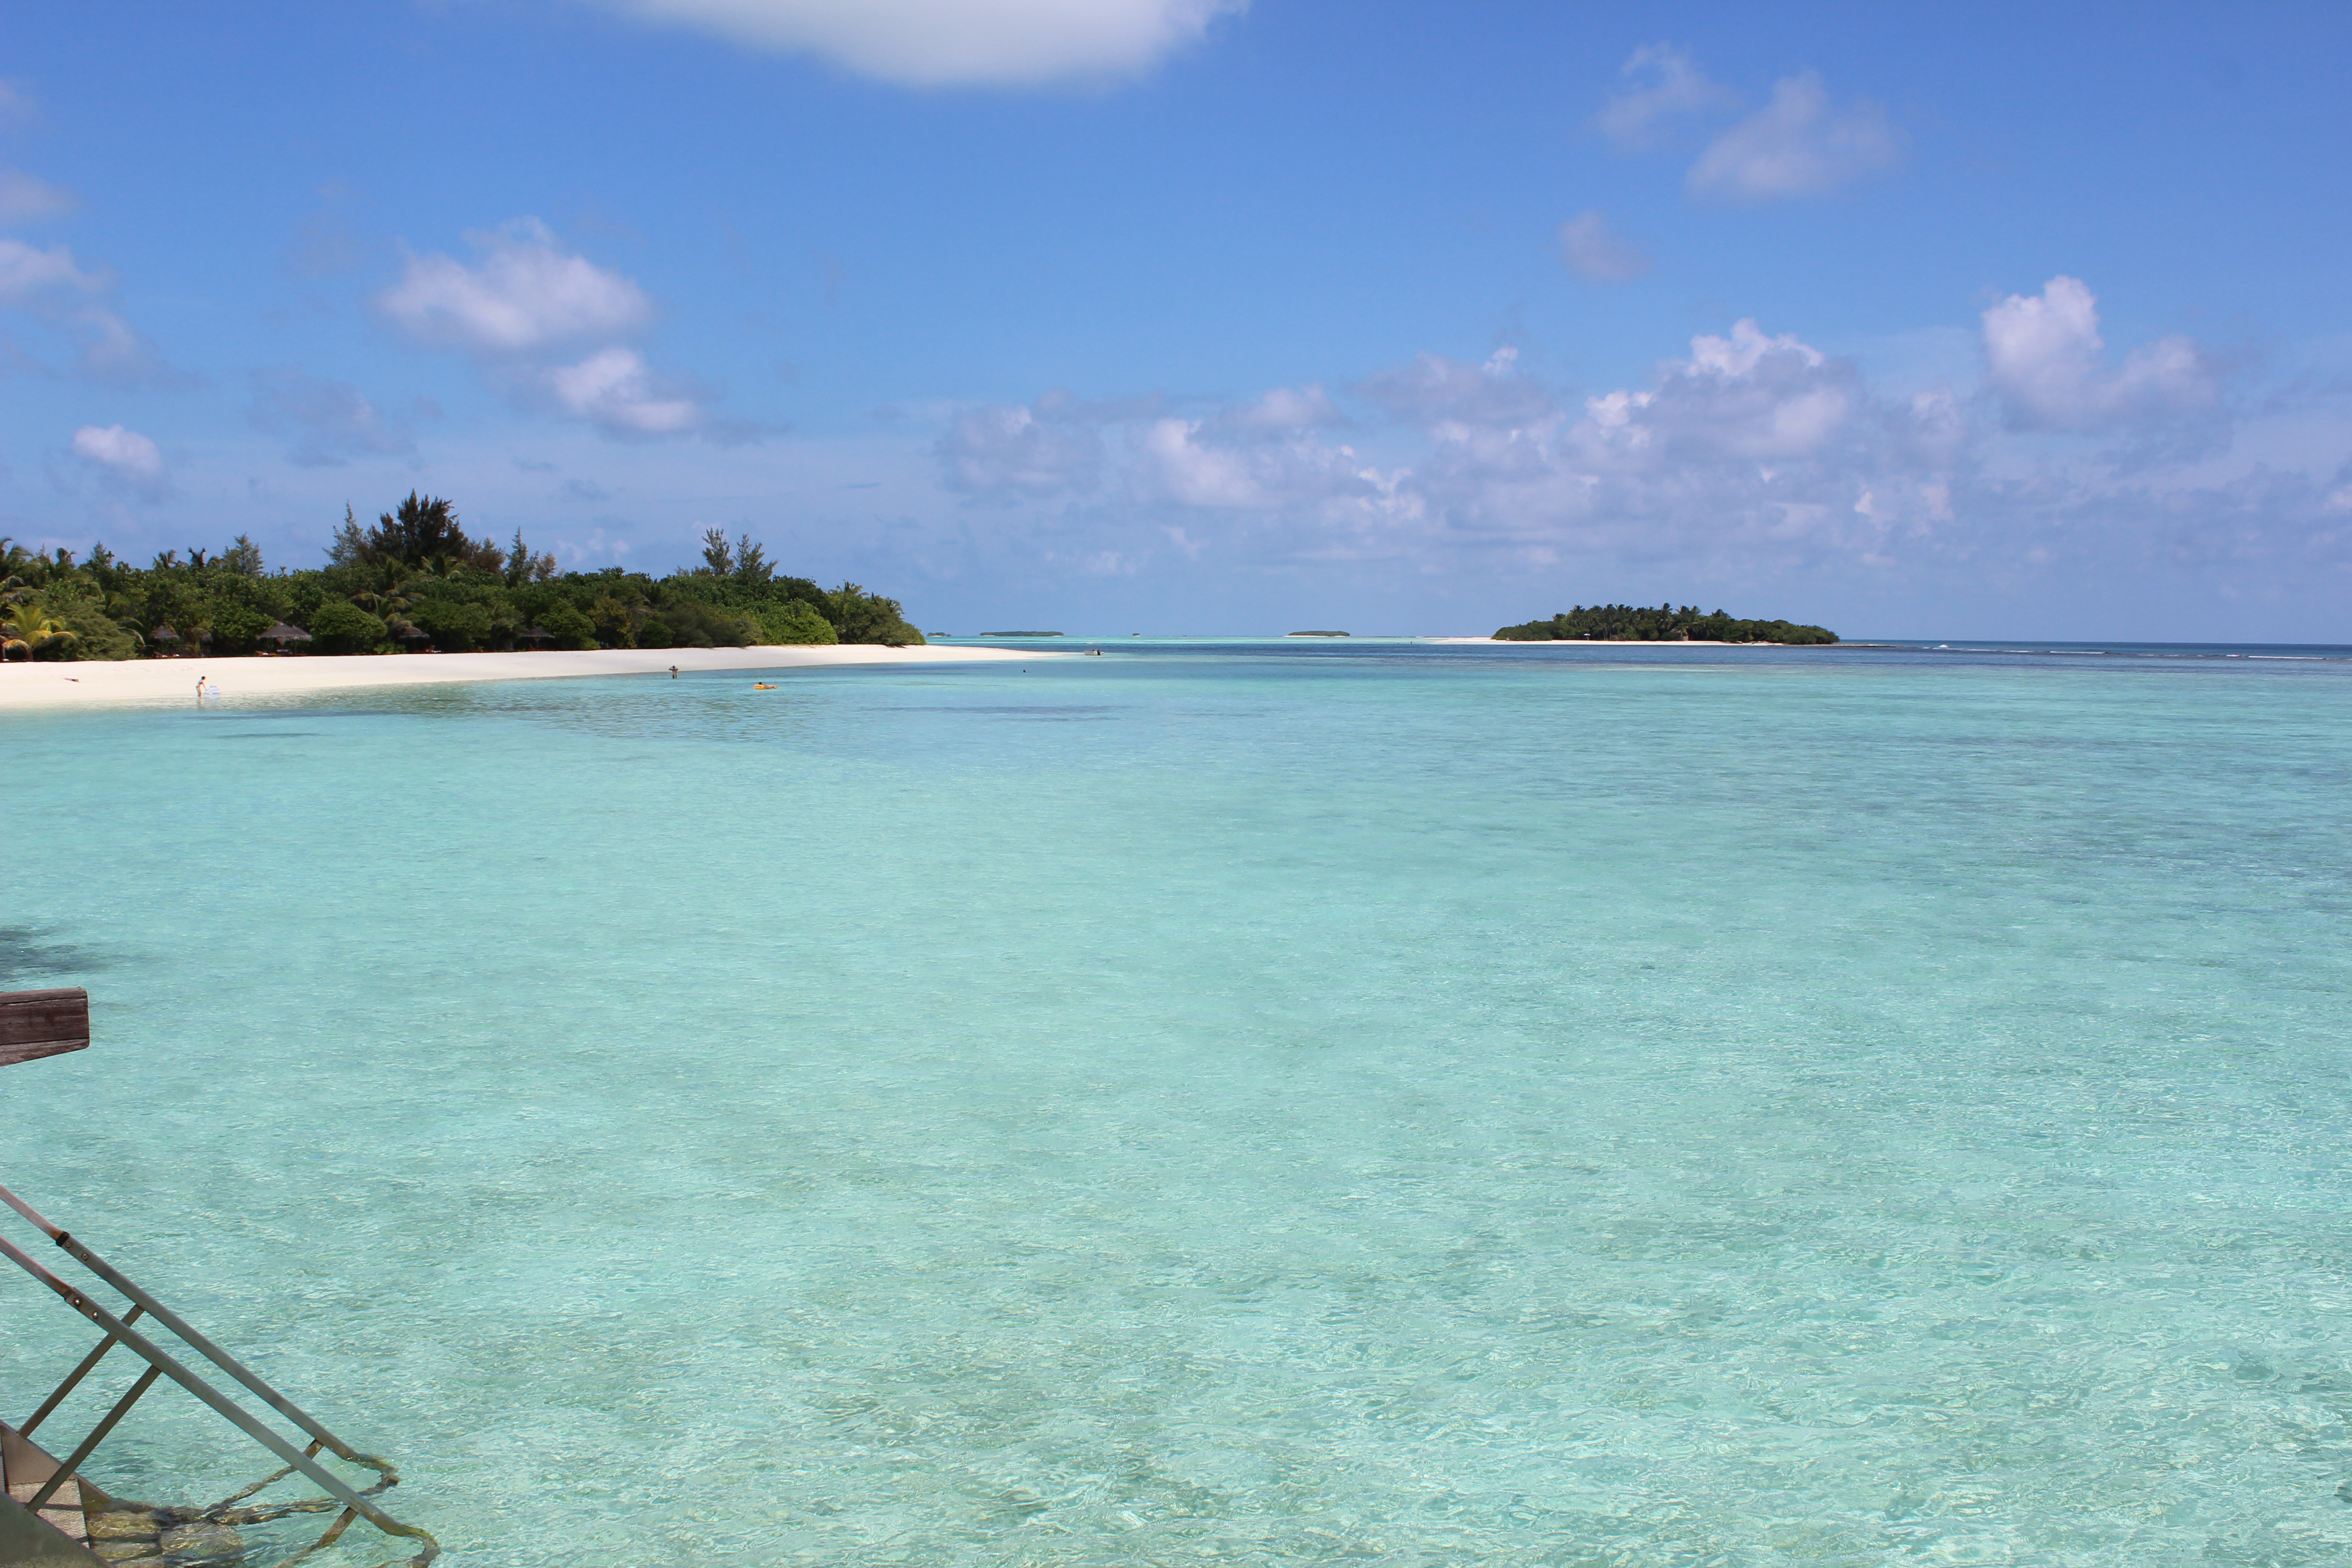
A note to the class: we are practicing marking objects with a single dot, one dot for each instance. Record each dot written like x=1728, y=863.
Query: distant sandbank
x=171, y=682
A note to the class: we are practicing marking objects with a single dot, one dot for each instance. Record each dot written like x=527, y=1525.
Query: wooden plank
x=35, y=1024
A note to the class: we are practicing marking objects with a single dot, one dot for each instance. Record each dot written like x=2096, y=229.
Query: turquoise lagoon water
x=1378, y=1105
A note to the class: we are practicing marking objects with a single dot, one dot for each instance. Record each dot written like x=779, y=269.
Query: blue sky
x=1169, y=315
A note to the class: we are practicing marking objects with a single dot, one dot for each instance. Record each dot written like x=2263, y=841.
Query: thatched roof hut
x=163, y=633
x=282, y=634
x=536, y=634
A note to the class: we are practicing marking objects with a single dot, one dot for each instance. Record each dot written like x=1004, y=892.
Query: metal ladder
x=340, y=1495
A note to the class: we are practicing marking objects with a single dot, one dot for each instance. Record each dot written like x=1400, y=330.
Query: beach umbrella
x=537, y=633
x=409, y=632
x=163, y=633
x=282, y=634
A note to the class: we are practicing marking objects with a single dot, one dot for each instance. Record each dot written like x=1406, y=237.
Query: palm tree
x=388, y=594
x=30, y=626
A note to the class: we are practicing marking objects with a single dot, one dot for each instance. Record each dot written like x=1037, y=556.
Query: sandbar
x=171, y=682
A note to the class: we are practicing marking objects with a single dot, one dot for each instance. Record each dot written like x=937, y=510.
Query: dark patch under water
x=27, y=955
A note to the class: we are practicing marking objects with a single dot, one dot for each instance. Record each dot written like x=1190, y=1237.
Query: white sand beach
x=171, y=682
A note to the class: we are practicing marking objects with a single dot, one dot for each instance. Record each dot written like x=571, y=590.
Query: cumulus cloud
x=330, y=421
x=2045, y=357
x=1282, y=411
x=942, y=43
x=526, y=292
x=27, y=198
x=614, y=389
x=1185, y=462
x=1755, y=445
x=1593, y=250
x=1747, y=395
x=1044, y=449
x=527, y=296
x=1662, y=86
x=124, y=457
x=1750, y=454
x=1797, y=145
x=1436, y=389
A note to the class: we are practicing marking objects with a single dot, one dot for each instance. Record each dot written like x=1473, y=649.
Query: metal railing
x=353, y=1504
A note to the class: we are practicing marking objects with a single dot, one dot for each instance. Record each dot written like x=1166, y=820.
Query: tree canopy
x=422, y=530
x=1627, y=623
x=413, y=581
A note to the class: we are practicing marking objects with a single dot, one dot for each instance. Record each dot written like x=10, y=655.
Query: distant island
x=1625, y=623
x=1318, y=633
x=415, y=580
x=1021, y=634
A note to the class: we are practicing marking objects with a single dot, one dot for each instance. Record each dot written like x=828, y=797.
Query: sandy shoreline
x=171, y=682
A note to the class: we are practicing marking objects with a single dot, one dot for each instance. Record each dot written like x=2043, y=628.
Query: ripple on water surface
x=1846, y=1107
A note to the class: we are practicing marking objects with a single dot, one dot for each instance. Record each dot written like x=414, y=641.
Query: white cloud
x=28, y=274
x=56, y=289
x=1285, y=410
x=1592, y=249
x=617, y=392
x=526, y=293
x=25, y=197
x=1797, y=145
x=942, y=43
x=2044, y=355
x=1177, y=464
x=1746, y=396
x=528, y=296
x=1435, y=388
x=1663, y=85
x=331, y=421
x=113, y=349
x=1046, y=447
x=124, y=457
x=1756, y=446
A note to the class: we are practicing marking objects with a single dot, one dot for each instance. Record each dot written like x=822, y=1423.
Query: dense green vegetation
x=415, y=580
x=1625, y=623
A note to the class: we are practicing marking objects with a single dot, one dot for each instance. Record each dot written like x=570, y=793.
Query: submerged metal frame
x=161, y=1364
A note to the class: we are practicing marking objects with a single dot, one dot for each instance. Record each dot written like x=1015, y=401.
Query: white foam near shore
x=171, y=682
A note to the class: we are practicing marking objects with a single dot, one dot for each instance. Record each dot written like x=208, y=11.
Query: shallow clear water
x=1387, y=1105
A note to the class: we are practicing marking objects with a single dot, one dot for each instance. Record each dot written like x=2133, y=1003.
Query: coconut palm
x=28, y=622
x=388, y=594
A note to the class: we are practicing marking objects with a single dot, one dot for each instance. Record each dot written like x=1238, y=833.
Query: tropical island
x=415, y=580
x=1315, y=634
x=1626, y=623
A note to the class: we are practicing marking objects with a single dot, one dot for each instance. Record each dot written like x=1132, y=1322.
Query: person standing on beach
x=673, y=672
x=200, y=691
